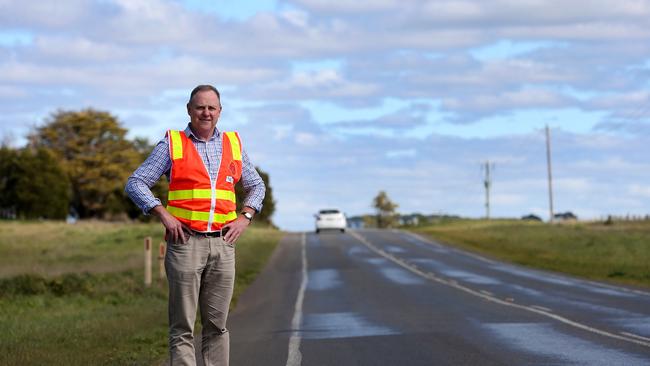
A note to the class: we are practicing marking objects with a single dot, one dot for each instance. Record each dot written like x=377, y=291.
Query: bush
x=32, y=284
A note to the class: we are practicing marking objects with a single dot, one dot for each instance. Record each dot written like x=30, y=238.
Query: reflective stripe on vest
x=194, y=199
x=200, y=215
x=188, y=194
x=176, y=145
x=234, y=142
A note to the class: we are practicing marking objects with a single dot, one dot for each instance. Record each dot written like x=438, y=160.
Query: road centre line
x=432, y=277
x=635, y=336
x=294, y=356
x=541, y=308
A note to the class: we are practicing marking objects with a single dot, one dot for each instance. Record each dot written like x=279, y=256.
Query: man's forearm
x=140, y=193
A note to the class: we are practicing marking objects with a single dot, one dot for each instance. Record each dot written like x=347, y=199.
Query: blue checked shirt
x=139, y=184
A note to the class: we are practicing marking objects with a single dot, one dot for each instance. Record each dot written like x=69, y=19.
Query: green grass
x=74, y=294
x=618, y=253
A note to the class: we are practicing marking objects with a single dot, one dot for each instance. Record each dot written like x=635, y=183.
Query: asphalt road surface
x=374, y=297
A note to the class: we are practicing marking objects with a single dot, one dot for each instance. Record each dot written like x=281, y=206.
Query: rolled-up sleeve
x=138, y=186
x=253, y=184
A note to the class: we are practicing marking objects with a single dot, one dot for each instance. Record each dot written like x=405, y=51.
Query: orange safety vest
x=193, y=199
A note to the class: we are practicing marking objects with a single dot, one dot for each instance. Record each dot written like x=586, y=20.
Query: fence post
x=161, y=261
x=147, y=261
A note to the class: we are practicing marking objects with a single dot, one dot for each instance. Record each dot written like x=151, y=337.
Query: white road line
x=541, y=308
x=487, y=293
x=635, y=336
x=294, y=358
x=432, y=277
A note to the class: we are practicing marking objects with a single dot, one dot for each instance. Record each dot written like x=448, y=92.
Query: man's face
x=204, y=110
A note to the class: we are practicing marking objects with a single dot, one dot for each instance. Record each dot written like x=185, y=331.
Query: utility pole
x=488, y=183
x=550, y=177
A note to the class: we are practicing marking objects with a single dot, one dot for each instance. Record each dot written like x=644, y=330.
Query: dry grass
x=616, y=253
x=99, y=312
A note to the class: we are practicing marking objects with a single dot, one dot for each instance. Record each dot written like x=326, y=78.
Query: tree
x=385, y=210
x=33, y=184
x=268, y=203
x=94, y=153
x=8, y=158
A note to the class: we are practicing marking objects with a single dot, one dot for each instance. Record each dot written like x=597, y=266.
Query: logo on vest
x=229, y=179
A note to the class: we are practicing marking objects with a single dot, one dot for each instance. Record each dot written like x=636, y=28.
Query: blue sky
x=338, y=100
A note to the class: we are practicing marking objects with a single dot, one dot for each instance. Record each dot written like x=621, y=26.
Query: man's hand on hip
x=235, y=229
x=174, y=229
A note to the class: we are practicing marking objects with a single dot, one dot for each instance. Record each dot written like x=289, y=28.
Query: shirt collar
x=190, y=134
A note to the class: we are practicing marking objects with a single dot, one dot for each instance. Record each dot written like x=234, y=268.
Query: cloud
x=519, y=99
x=400, y=121
x=641, y=190
x=316, y=84
x=418, y=106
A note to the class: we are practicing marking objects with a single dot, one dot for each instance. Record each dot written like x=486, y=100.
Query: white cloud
x=135, y=58
x=316, y=84
x=308, y=139
x=348, y=6
x=640, y=190
x=525, y=98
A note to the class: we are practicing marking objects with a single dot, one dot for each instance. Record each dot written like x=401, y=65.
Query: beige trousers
x=202, y=272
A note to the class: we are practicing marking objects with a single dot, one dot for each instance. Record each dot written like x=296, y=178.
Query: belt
x=211, y=234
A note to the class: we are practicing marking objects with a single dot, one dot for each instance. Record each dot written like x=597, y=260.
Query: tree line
x=77, y=163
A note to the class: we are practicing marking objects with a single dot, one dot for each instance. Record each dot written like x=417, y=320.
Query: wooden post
x=161, y=261
x=147, y=261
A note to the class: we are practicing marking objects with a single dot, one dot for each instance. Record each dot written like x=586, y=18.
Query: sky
x=338, y=100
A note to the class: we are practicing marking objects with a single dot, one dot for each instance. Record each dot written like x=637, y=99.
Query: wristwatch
x=247, y=215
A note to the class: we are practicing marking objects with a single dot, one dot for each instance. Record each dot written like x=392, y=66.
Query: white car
x=330, y=219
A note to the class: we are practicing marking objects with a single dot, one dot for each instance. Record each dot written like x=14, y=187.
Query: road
x=373, y=297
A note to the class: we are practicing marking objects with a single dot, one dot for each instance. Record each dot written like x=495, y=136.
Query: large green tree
x=33, y=185
x=94, y=153
x=385, y=210
x=268, y=202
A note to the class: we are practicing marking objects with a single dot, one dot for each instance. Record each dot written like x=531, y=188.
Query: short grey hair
x=202, y=88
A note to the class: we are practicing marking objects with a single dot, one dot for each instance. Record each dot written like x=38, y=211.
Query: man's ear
x=188, y=108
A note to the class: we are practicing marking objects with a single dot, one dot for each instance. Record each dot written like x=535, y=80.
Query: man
x=201, y=223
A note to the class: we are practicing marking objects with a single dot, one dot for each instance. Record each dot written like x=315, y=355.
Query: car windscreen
x=324, y=212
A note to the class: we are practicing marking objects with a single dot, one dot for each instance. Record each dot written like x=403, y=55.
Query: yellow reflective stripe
x=234, y=143
x=177, y=144
x=222, y=219
x=200, y=215
x=226, y=195
x=189, y=215
x=188, y=194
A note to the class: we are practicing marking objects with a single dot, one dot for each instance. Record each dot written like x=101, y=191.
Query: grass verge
x=74, y=294
x=617, y=252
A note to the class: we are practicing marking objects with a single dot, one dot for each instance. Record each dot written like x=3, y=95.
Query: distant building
x=565, y=216
x=531, y=217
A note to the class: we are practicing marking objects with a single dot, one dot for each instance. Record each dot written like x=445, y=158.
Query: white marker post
x=161, y=261
x=147, y=261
